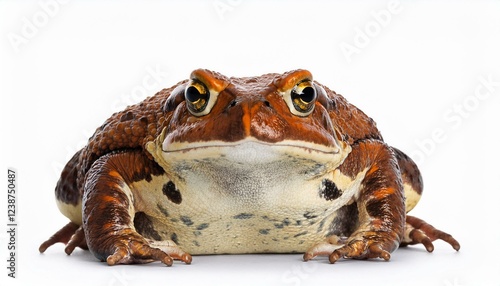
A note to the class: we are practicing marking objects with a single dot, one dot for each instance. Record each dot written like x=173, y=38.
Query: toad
x=277, y=163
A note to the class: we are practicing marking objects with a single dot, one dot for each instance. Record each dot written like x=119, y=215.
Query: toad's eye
x=198, y=98
x=302, y=98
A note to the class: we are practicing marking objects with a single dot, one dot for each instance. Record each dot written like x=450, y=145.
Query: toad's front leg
x=380, y=205
x=108, y=212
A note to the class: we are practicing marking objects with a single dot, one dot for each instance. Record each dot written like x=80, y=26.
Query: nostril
x=267, y=103
x=233, y=103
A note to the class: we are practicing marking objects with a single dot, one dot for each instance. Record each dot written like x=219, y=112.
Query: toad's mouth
x=190, y=146
x=251, y=150
x=248, y=158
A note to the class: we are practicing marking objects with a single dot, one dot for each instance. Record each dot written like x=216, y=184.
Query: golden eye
x=303, y=96
x=197, y=97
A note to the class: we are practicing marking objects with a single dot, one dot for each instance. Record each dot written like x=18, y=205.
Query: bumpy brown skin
x=115, y=157
x=126, y=130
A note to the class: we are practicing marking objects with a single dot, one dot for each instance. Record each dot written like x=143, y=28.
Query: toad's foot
x=132, y=248
x=361, y=246
x=325, y=248
x=418, y=231
x=71, y=234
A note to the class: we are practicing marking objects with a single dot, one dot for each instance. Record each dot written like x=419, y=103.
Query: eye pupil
x=197, y=96
x=308, y=94
x=303, y=97
x=192, y=94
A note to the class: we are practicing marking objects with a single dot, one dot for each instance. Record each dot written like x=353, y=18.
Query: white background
x=416, y=68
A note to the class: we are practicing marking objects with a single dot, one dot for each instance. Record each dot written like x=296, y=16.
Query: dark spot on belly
x=196, y=243
x=172, y=193
x=145, y=227
x=309, y=215
x=329, y=190
x=300, y=234
x=174, y=238
x=268, y=218
x=202, y=226
x=264, y=231
x=186, y=220
x=243, y=216
x=285, y=222
x=162, y=210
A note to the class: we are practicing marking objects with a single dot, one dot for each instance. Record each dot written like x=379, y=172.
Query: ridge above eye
x=202, y=91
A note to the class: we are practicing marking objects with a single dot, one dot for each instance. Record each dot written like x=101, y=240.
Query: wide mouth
x=252, y=152
x=304, y=146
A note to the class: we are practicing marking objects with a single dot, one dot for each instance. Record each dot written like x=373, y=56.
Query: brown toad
x=270, y=164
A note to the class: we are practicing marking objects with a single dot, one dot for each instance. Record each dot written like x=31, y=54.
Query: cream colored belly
x=246, y=232
x=208, y=221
